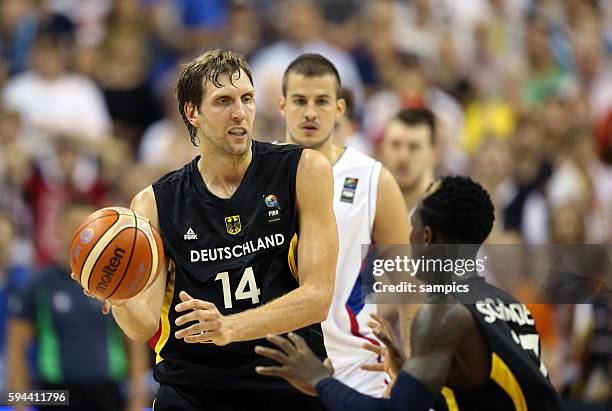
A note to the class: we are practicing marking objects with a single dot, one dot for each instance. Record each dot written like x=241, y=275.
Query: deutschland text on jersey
x=237, y=253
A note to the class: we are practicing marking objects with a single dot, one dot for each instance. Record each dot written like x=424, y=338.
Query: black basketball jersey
x=518, y=379
x=237, y=253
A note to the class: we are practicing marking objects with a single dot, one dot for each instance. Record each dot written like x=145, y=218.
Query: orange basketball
x=116, y=253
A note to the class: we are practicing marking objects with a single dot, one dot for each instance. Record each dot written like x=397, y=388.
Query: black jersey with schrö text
x=237, y=253
x=518, y=380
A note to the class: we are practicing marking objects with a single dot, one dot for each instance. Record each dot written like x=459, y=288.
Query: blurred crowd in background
x=521, y=89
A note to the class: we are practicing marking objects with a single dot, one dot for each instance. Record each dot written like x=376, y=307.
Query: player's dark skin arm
x=445, y=342
x=447, y=348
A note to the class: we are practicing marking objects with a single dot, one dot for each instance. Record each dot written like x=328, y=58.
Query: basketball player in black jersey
x=482, y=355
x=230, y=222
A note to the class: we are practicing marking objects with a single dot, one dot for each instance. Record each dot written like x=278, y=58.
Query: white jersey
x=346, y=330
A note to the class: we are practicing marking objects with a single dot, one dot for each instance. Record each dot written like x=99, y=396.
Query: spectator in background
x=165, y=145
x=301, y=26
x=545, y=77
x=492, y=166
x=532, y=169
x=18, y=25
x=559, y=114
x=408, y=151
x=593, y=72
x=86, y=16
x=15, y=169
x=450, y=72
x=487, y=112
x=417, y=28
x=343, y=22
x=122, y=74
x=582, y=178
x=410, y=88
x=579, y=178
x=78, y=348
x=186, y=26
x=376, y=44
x=12, y=278
x=243, y=29
x=71, y=171
x=52, y=101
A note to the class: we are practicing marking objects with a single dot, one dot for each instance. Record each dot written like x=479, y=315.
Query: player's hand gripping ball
x=115, y=254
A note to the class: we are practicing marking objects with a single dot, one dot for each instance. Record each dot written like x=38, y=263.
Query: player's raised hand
x=106, y=304
x=210, y=325
x=392, y=352
x=299, y=364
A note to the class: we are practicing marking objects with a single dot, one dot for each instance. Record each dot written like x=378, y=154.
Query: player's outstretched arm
x=139, y=316
x=437, y=331
x=317, y=255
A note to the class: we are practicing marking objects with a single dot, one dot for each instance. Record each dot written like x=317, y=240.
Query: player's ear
x=428, y=236
x=280, y=103
x=192, y=114
x=340, y=106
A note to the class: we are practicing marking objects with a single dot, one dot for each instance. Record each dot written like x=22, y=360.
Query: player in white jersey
x=408, y=150
x=368, y=205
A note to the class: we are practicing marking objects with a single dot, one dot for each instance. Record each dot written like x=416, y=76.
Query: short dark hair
x=418, y=116
x=459, y=209
x=311, y=65
x=208, y=66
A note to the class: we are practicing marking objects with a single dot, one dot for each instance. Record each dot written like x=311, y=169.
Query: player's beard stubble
x=220, y=142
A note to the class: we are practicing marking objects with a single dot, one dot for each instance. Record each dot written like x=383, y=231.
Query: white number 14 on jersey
x=247, y=287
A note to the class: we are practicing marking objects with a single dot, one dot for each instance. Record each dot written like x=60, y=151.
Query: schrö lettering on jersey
x=239, y=250
x=497, y=310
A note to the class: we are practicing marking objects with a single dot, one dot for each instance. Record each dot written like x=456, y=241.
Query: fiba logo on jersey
x=232, y=224
x=348, y=190
x=272, y=202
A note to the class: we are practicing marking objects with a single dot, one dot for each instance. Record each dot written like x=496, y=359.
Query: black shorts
x=187, y=398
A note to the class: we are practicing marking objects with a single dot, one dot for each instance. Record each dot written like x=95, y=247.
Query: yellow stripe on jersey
x=503, y=376
x=292, y=256
x=165, y=322
x=449, y=397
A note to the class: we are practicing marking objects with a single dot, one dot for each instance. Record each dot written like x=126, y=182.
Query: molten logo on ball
x=109, y=269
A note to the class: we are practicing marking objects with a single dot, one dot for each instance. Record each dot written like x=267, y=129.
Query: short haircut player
x=311, y=65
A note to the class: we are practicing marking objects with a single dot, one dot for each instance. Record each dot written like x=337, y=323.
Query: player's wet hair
x=311, y=65
x=417, y=116
x=208, y=67
x=458, y=209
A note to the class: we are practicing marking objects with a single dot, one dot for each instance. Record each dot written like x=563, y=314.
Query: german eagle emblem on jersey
x=232, y=224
